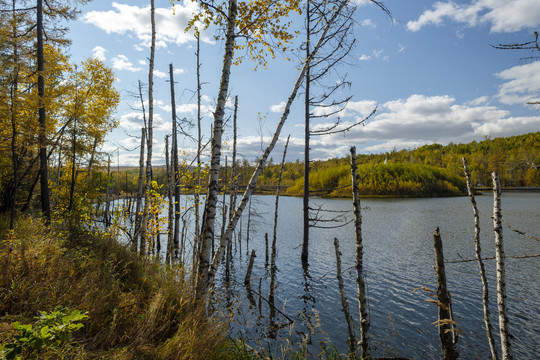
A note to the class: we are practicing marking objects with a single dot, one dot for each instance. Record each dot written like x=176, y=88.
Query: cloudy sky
x=430, y=71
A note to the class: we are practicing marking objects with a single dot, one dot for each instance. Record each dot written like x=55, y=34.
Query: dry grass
x=137, y=309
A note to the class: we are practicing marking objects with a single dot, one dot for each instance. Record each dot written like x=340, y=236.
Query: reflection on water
x=398, y=258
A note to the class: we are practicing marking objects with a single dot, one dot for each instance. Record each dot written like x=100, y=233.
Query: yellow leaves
x=264, y=24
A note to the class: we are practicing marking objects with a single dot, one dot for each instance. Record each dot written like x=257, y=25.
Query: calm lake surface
x=398, y=258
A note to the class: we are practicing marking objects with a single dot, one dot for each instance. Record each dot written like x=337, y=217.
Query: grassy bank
x=136, y=309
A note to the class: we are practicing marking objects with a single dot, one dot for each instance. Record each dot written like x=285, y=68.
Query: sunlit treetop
x=264, y=25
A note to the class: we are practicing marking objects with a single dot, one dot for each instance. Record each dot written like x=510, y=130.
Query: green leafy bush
x=51, y=332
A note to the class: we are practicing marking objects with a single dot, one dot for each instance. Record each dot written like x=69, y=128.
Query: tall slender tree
x=148, y=185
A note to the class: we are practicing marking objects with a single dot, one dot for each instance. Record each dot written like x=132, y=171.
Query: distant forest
x=431, y=170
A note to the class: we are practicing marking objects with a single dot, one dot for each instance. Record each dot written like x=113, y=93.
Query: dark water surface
x=398, y=258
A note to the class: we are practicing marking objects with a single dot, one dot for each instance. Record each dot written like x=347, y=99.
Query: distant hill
x=430, y=170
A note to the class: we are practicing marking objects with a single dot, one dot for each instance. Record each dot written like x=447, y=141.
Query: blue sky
x=430, y=71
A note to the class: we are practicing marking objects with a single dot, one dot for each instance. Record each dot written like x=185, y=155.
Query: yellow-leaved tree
x=260, y=27
x=84, y=119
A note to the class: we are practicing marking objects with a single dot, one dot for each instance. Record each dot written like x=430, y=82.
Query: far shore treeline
x=430, y=170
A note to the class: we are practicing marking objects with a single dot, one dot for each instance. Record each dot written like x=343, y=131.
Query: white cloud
x=160, y=74
x=278, y=108
x=363, y=107
x=368, y=23
x=420, y=120
x=99, y=53
x=522, y=84
x=500, y=15
x=482, y=100
x=121, y=62
x=374, y=54
x=134, y=121
x=364, y=57
x=131, y=19
x=179, y=71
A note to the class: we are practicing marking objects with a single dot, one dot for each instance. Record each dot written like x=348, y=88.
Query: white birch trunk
x=499, y=259
x=150, y=132
x=478, y=255
x=209, y=214
x=209, y=276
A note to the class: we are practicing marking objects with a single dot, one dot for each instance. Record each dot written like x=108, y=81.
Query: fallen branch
x=492, y=258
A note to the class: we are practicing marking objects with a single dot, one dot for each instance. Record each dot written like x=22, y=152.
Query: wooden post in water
x=266, y=247
x=447, y=331
x=501, y=273
x=345, y=304
x=250, y=267
x=360, y=285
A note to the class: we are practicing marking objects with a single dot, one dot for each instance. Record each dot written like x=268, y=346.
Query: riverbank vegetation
x=430, y=170
x=136, y=309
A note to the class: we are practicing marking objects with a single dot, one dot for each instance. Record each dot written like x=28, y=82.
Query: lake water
x=398, y=258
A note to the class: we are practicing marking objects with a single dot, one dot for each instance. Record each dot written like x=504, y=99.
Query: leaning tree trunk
x=360, y=285
x=150, y=132
x=209, y=214
x=478, y=254
x=208, y=277
x=499, y=259
x=344, y=303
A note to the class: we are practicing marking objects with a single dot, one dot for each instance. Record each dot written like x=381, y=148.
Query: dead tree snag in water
x=360, y=285
x=446, y=325
x=478, y=255
x=499, y=259
x=345, y=304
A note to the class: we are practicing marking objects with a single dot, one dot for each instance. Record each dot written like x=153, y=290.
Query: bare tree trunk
x=501, y=273
x=266, y=250
x=108, y=193
x=360, y=285
x=91, y=161
x=478, y=254
x=305, y=242
x=446, y=325
x=43, y=167
x=209, y=277
x=174, y=167
x=223, y=208
x=138, y=218
x=250, y=267
x=234, y=180
x=344, y=303
x=274, y=239
x=14, y=91
x=150, y=132
x=271, y=295
x=73, y=168
x=170, y=184
x=248, y=227
x=196, y=240
x=209, y=215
